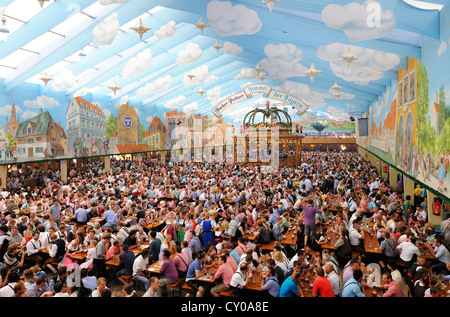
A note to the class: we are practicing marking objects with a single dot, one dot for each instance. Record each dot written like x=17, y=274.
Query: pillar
x=64, y=166
x=107, y=163
x=3, y=175
x=393, y=178
x=384, y=174
x=408, y=189
x=434, y=220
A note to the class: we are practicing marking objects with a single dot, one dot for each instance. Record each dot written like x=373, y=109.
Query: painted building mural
x=410, y=123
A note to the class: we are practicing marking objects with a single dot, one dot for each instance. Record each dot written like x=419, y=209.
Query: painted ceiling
x=188, y=55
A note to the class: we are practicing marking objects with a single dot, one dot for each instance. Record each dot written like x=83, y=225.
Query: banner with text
x=267, y=92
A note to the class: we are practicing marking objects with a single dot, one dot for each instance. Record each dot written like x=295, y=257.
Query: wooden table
x=78, y=256
x=332, y=236
x=97, y=219
x=251, y=234
x=373, y=292
x=113, y=262
x=154, y=224
x=155, y=267
x=426, y=250
x=371, y=244
x=230, y=201
x=290, y=237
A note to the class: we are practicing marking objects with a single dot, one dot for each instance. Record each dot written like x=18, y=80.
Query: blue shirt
x=195, y=245
x=81, y=215
x=352, y=289
x=109, y=216
x=194, y=266
x=289, y=288
x=90, y=282
x=272, y=286
x=235, y=255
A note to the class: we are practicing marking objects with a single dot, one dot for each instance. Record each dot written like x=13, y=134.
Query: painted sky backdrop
x=93, y=45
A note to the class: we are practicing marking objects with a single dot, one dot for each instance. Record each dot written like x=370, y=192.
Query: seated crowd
x=193, y=216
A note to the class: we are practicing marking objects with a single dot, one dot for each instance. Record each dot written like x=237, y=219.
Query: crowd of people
x=206, y=209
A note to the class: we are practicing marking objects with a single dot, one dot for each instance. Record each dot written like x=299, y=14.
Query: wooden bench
x=225, y=293
x=127, y=278
x=176, y=287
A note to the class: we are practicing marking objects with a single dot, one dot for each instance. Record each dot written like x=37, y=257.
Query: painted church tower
x=13, y=123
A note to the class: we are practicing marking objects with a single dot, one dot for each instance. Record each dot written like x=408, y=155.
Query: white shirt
x=7, y=290
x=408, y=249
x=33, y=246
x=139, y=264
x=238, y=279
x=335, y=282
x=354, y=237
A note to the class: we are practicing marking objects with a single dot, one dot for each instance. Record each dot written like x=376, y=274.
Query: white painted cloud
x=189, y=55
x=360, y=22
x=190, y=108
x=123, y=100
x=227, y=19
x=158, y=85
x=175, y=103
x=167, y=30
x=82, y=92
x=138, y=64
x=149, y=119
x=63, y=81
x=442, y=48
x=43, y=102
x=282, y=61
x=213, y=95
x=337, y=113
x=340, y=94
x=105, y=32
x=303, y=92
x=28, y=114
x=6, y=110
x=232, y=48
x=107, y=2
x=246, y=73
x=106, y=112
x=246, y=84
x=369, y=66
x=201, y=76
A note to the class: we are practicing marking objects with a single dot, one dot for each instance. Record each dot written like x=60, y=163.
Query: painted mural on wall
x=410, y=123
x=432, y=147
x=383, y=124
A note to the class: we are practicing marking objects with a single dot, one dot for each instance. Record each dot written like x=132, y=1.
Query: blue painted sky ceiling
x=86, y=46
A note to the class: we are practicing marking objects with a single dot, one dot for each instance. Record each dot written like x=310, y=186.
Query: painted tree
x=318, y=126
x=422, y=107
x=444, y=112
x=111, y=125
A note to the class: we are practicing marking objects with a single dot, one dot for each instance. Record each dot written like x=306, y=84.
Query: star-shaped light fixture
x=114, y=87
x=201, y=92
x=258, y=69
x=348, y=57
x=217, y=47
x=336, y=86
x=190, y=75
x=140, y=29
x=262, y=76
x=312, y=72
x=41, y=2
x=270, y=3
x=201, y=25
x=46, y=78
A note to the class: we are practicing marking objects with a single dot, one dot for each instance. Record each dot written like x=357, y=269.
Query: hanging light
x=4, y=28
